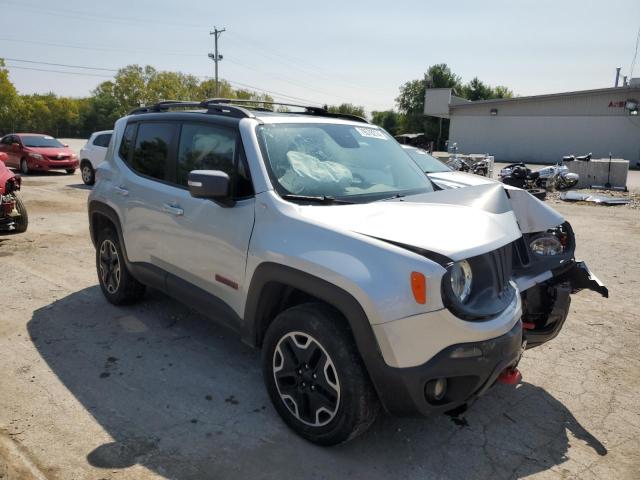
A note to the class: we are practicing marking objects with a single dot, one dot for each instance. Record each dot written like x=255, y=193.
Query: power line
x=78, y=15
x=293, y=62
x=99, y=48
x=58, y=71
x=60, y=64
x=635, y=54
x=277, y=77
x=240, y=84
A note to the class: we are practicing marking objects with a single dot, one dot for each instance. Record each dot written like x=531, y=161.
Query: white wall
x=547, y=138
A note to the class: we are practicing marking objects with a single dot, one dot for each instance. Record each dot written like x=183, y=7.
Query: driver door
x=206, y=243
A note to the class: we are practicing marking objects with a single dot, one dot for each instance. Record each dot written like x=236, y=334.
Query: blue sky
x=325, y=52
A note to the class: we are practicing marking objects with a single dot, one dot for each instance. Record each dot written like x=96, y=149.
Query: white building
x=544, y=128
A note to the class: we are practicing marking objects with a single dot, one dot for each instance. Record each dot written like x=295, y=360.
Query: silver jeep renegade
x=318, y=239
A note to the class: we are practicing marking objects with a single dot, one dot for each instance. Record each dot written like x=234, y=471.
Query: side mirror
x=15, y=146
x=66, y=145
x=211, y=184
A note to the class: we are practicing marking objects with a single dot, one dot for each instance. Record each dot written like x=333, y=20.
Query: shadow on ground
x=185, y=399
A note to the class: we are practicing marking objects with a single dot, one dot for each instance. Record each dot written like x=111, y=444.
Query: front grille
x=58, y=158
x=520, y=253
x=502, y=262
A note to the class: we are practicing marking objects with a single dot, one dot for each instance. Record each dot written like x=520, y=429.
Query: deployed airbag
x=310, y=176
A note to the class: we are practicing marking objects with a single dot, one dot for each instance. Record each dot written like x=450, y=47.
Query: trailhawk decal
x=371, y=133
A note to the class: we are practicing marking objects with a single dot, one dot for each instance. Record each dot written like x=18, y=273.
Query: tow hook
x=510, y=376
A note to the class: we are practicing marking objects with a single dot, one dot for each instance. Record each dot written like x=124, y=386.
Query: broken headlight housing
x=546, y=245
x=551, y=243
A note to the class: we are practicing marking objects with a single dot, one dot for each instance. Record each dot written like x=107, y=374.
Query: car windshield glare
x=38, y=141
x=363, y=163
x=426, y=162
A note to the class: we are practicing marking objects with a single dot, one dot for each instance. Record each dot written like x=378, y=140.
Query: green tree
x=477, y=90
x=502, y=92
x=9, y=100
x=441, y=76
x=347, y=109
x=390, y=120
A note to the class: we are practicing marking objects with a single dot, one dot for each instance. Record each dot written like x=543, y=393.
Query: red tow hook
x=528, y=325
x=510, y=376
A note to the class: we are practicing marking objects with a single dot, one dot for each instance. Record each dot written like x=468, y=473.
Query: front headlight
x=461, y=279
x=36, y=156
x=547, y=245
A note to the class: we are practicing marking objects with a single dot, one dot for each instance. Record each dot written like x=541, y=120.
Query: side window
x=205, y=147
x=211, y=147
x=126, y=145
x=152, y=149
x=102, y=140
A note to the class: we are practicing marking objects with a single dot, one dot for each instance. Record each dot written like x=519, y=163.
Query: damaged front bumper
x=545, y=306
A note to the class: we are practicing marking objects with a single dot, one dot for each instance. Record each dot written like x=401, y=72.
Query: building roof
x=534, y=98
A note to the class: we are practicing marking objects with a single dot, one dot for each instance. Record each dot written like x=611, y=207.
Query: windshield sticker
x=371, y=133
x=48, y=137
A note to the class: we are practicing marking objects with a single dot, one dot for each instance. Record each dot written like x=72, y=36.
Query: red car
x=13, y=214
x=32, y=152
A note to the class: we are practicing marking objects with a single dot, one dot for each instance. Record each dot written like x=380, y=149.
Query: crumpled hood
x=446, y=222
x=532, y=214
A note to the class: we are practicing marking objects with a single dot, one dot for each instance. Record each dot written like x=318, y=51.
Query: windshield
x=358, y=163
x=40, y=141
x=426, y=162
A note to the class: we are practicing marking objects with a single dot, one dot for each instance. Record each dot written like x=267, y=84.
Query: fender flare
x=100, y=208
x=388, y=385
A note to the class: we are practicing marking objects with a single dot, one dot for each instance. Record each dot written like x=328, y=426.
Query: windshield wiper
x=316, y=199
x=393, y=197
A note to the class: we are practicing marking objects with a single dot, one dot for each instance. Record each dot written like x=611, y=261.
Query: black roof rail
x=163, y=106
x=230, y=106
x=308, y=110
x=212, y=107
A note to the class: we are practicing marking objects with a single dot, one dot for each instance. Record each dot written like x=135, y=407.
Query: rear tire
x=539, y=193
x=315, y=377
x=70, y=171
x=24, y=167
x=116, y=282
x=21, y=223
x=88, y=173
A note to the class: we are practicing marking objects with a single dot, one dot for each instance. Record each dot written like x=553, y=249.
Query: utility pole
x=216, y=57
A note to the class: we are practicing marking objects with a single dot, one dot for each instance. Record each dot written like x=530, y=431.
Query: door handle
x=172, y=209
x=121, y=191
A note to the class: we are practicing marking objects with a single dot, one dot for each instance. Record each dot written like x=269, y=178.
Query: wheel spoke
x=306, y=379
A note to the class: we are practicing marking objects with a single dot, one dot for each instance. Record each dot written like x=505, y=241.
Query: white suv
x=92, y=154
x=317, y=238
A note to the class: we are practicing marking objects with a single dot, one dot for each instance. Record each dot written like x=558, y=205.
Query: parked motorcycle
x=580, y=158
x=13, y=214
x=552, y=177
x=479, y=167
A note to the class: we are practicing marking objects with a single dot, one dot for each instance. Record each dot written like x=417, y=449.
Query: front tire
x=315, y=377
x=116, y=282
x=21, y=223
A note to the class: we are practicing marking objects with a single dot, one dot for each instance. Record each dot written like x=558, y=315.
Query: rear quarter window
x=102, y=140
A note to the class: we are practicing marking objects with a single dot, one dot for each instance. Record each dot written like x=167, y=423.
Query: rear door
x=206, y=243
x=147, y=149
